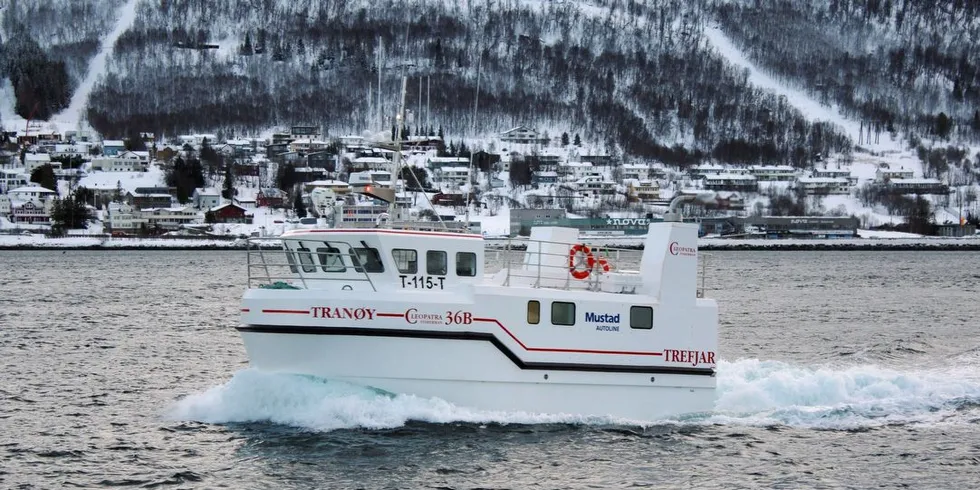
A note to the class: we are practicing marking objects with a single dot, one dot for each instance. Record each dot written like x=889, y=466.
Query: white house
x=371, y=163
x=647, y=191
x=31, y=192
x=170, y=218
x=884, y=175
x=522, y=135
x=125, y=218
x=35, y=160
x=706, y=169
x=640, y=171
x=572, y=171
x=11, y=178
x=73, y=150
x=453, y=176
x=824, y=185
x=120, y=164
x=206, y=198
x=836, y=174
x=4, y=205
x=730, y=182
x=773, y=173
x=594, y=184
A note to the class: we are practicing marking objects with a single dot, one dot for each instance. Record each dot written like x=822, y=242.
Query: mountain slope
x=636, y=76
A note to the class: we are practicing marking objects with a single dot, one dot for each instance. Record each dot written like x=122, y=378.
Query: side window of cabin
x=305, y=259
x=292, y=261
x=435, y=262
x=562, y=313
x=407, y=261
x=367, y=260
x=465, y=264
x=330, y=259
x=641, y=317
x=533, y=312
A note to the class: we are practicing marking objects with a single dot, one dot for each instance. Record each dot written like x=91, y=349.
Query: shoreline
x=706, y=245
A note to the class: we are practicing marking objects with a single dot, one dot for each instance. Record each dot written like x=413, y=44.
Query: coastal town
x=207, y=185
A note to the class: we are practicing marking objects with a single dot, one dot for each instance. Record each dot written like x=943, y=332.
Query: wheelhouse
x=370, y=259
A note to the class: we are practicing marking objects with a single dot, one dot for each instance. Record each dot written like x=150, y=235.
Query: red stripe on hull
x=294, y=312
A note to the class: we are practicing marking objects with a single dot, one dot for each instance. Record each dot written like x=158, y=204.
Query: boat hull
x=477, y=374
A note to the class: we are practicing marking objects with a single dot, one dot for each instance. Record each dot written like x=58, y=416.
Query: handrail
x=297, y=266
x=531, y=267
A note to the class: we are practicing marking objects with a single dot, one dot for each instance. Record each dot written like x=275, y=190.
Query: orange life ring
x=604, y=264
x=573, y=265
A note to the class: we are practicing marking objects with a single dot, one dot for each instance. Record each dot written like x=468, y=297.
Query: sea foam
x=750, y=392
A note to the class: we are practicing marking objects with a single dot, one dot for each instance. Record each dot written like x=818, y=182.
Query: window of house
x=330, y=259
x=305, y=259
x=465, y=264
x=641, y=317
x=435, y=262
x=369, y=257
x=407, y=261
x=533, y=312
x=562, y=313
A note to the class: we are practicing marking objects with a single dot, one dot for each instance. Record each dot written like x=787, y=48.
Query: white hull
x=478, y=375
x=564, y=331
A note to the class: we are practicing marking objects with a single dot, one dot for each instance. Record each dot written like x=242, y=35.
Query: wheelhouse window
x=305, y=259
x=465, y=264
x=330, y=259
x=407, y=261
x=641, y=317
x=533, y=312
x=369, y=258
x=562, y=313
x=435, y=262
x=292, y=261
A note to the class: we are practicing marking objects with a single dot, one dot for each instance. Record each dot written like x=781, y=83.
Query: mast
x=397, y=159
x=381, y=121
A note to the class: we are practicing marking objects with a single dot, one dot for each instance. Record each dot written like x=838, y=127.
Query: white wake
x=750, y=392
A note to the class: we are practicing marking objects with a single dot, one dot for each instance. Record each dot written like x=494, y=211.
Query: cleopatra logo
x=677, y=249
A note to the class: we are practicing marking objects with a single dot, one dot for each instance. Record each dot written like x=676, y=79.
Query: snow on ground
x=71, y=116
x=810, y=107
x=886, y=234
x=494, y=226
x=8, y=116
x=128, y=180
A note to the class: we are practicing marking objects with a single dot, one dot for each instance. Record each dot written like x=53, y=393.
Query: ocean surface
x=839, y=370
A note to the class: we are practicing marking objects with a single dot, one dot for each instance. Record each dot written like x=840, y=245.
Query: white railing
x=512, y=254
x=270, y=264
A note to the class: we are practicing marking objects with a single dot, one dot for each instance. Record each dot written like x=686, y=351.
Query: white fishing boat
x=559, y=328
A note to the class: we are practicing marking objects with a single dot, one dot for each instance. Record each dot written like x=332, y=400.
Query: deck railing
x=512, y=254
x=270, y=265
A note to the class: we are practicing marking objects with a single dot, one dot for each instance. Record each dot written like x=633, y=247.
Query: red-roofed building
x=231, y=213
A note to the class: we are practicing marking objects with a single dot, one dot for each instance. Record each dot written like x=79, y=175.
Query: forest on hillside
x=45, y=48
x=897, y=65
x=637, y=76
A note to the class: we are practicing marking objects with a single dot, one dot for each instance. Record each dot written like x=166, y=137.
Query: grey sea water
x=839, y=370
